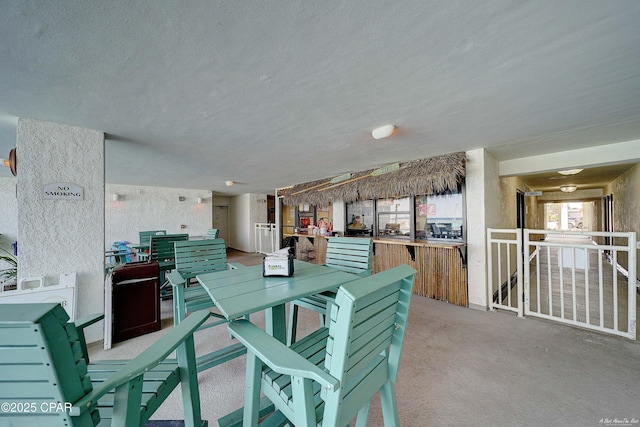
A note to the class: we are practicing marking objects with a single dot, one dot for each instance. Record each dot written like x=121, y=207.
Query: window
x=360, y=218
x=394, y=217
x=439, y=216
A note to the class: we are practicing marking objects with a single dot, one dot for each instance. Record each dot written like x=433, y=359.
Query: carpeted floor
x=460, y=367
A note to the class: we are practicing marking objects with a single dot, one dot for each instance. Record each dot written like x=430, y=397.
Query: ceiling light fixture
x=229, y=183
x=570, y=171
x=568, y=188
x=383, y=132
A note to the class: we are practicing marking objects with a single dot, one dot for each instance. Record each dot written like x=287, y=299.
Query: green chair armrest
x=88, y=320
x=83, y=323
x=277, y=356
x=149, y=358
x=175, y=278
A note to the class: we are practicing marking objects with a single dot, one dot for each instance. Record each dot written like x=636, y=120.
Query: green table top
x=243, y=291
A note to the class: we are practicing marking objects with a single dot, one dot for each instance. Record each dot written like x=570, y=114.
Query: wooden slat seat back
x=350, y=254
x=195, y=257
x=162, y=251
x=45, y=360
x=192, y=258
x=331, y=375
x=145, y=236
x=200, y=256
x=41, y=362
x=212, y=233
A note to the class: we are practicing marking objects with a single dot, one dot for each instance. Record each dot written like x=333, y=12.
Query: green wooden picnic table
x=239, y=292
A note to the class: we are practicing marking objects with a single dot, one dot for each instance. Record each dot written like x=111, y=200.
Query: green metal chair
x=45, y=370
x=195, y=257
x=331, y=375
x=350, y=254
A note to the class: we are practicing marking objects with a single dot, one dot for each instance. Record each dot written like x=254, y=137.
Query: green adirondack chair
x=162, y=251
x=350, y=254
x=46, y=375
x=331, y=375
x=195, y=257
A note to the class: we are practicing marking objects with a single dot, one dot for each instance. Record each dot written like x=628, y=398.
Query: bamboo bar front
x=441, y=270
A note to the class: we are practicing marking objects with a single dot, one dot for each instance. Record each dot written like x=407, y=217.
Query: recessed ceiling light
x=229, y=183
x=568, y=188
x=570, y=171
x=383, y=132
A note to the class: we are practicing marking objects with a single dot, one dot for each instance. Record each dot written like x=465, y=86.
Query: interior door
x=221, y=222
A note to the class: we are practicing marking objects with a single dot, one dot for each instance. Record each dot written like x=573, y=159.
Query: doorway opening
x=569, y=216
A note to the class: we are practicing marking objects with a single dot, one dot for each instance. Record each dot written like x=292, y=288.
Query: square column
x=60, y=233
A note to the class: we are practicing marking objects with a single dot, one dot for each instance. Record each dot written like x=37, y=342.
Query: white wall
x=244, y=212
x=626, y=205
x=154, y=208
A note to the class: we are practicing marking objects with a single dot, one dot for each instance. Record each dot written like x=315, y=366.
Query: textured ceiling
x=274, y=93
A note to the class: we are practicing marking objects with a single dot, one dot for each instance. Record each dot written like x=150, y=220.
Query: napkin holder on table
x=278, y=263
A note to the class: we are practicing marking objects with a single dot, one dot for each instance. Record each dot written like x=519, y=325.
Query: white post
x=632, y=261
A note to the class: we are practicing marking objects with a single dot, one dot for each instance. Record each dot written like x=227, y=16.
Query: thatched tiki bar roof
x=426, y=176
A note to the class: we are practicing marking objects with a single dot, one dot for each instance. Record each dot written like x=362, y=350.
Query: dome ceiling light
x=568, y=188
x=383, y=132
x=570, y=172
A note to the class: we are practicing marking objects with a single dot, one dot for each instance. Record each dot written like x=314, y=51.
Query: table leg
x=275, y=323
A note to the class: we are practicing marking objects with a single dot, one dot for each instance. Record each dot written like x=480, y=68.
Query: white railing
x=504, y=270
x=572, y=281
x=566, y=277
x=266, y=235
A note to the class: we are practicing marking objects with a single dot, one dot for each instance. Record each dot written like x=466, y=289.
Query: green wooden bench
x=350, y=254
x=162, y=251
x=331, y=375
x=192, y=258
x=46, y=377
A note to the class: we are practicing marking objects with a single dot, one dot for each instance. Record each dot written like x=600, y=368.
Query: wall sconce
x=568, y=188
x=202, y=200
x=115, y=197
x=11, y=162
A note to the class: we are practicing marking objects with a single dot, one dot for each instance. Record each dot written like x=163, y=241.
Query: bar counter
x=440, y=265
